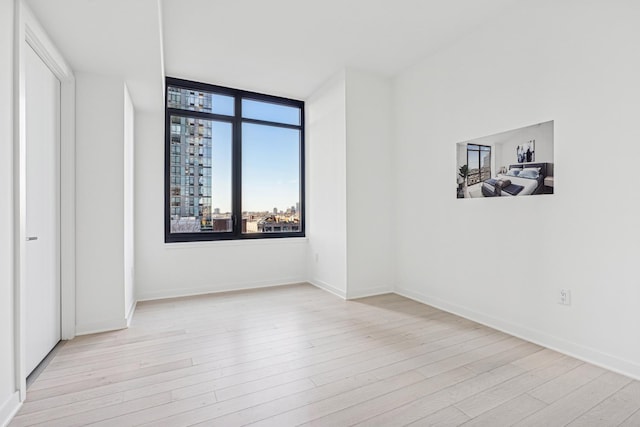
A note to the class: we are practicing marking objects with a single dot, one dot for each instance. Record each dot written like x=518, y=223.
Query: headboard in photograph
x=542, y=166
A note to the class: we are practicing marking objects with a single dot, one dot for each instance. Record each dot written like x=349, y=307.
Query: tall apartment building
x=190, y=162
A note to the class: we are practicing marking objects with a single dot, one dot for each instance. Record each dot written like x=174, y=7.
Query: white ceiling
x=281, y=47
x=112, y=37
x=290, y=47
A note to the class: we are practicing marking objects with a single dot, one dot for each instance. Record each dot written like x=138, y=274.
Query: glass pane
x=474, y=161
x=485, y=164
x=200, y=191
x=474, y=167
x=270, y=112
x=270, y=179
x=197, y=100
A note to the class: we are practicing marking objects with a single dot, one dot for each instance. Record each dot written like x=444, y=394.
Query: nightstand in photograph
x=548, y=185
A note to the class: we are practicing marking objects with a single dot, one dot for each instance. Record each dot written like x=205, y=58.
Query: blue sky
x=270, y=167
x=270, y=160
x=221, y=166
x=272, y=112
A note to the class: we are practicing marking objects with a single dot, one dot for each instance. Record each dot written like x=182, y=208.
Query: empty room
x=247, y=215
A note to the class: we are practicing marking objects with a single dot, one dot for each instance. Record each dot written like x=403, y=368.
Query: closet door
x=42, y=280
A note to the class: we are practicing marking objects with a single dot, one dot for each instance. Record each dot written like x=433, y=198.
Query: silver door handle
x=29, y=239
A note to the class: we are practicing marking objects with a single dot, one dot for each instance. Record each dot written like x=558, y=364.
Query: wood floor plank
x=558, y=387
x=437, y=351
x=573, y=405
x=399, y=354
x=54, y=413
x=188, y=411
x=501, y=393
x=81, y=386
x=614, y=410
x=296, y=355
x=220, y=415
x=393, y=399
x=523, y=350
x=441, y=399
x=400, y=397
x=32, y=406
x=447, y=417
x=128, y=413
x=469, y=356
x=340, y=401
x=632, y=421
x=84, y=418
x=508, y=413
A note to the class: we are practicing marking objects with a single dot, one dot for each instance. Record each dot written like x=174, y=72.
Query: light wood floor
x=296, y=355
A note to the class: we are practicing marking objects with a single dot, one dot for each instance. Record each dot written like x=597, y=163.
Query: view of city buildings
x=192, y=195
x=478, y=175
x=479, y=161
x=190, y=178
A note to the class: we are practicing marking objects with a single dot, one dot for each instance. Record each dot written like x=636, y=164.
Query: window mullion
x=237, y=168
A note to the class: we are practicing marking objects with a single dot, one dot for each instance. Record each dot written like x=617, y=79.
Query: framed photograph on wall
x=526, y=153
x=517, y=162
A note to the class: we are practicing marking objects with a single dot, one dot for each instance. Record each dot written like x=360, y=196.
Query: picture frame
x=526, y=153
x=517, y=162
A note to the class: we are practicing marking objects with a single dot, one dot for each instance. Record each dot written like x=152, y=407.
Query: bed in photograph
x=520, y=180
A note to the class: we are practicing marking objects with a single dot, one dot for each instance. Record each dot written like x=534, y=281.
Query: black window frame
x=236, y=159
x=479, y=174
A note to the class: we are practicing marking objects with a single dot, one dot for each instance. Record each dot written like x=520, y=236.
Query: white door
x=42, y=274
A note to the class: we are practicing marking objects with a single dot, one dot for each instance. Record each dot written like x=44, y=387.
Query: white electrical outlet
x=564, y=297
x=317, y=257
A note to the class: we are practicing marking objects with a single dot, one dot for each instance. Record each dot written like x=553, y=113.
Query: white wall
x=128, y=189
x=371, y=211
x=100, y=183
x=572, y=62
x=8, y=395
x=168, y=270
x=327, y=186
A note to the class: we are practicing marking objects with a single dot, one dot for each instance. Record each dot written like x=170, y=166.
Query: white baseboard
x=9, y=409
x=102, y=326
x=188, y=292
x=349, y=295
x=329, y=288
x=578, y=351
x=178, y=293
x=369, y=292
x=132, y=310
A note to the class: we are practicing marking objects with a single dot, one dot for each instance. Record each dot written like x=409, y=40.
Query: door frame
x=29, y=34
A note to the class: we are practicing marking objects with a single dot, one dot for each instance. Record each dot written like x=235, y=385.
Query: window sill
x=239, y=242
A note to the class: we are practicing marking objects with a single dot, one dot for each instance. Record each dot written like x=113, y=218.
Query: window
x=234, y=164
x=479, y=161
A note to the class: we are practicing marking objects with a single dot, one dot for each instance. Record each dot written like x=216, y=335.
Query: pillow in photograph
x=532, y=173
x=532, y=169
x=513, y=172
